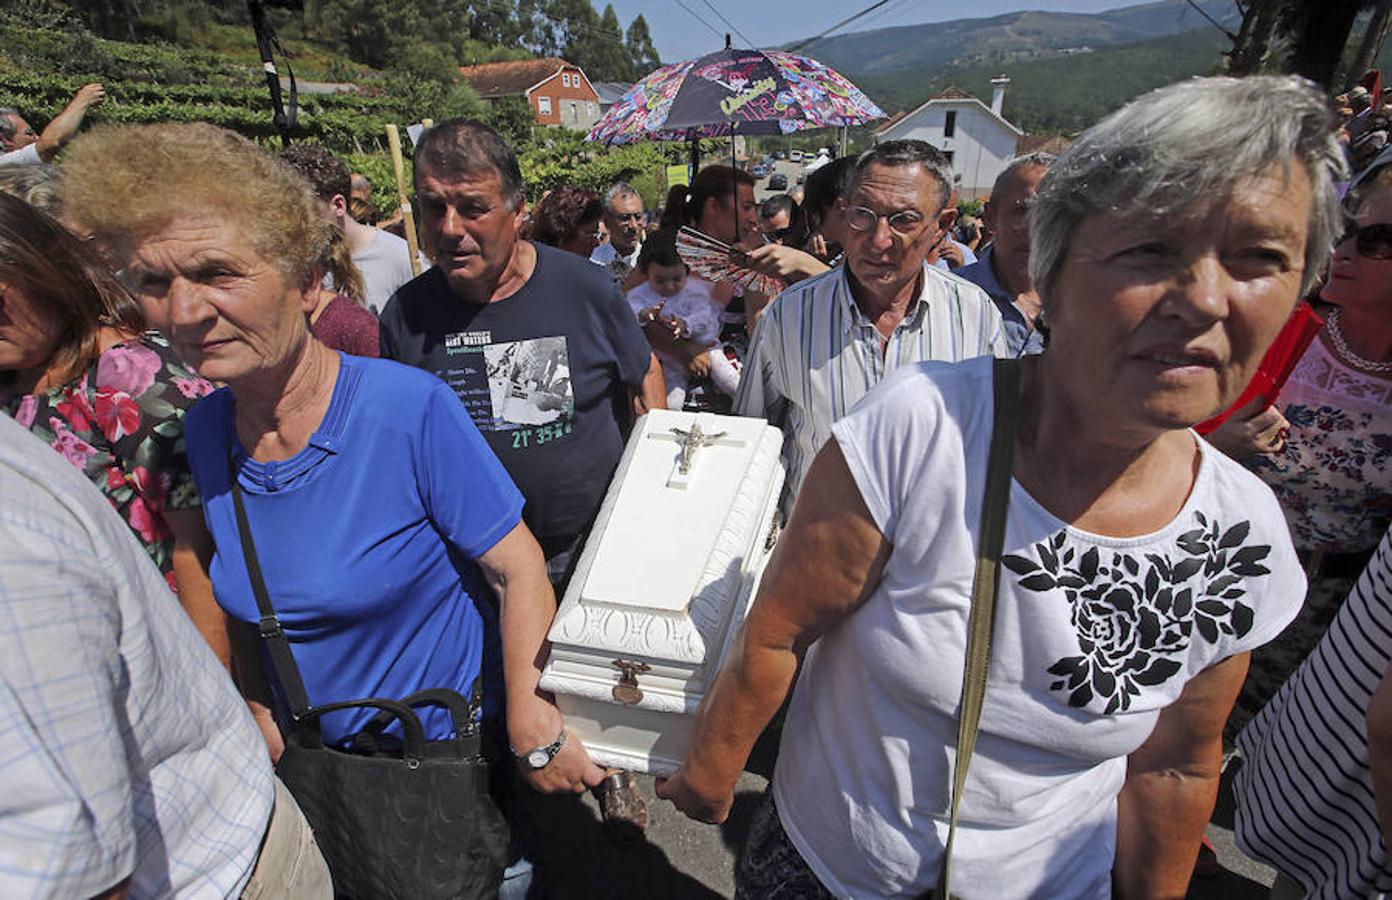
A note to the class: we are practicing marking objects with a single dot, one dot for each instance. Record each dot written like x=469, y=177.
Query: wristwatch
x=541, y=757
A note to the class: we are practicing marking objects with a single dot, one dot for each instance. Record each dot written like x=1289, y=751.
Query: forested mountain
x=1067, y=69
x=1014, y=37
x=1065, y=93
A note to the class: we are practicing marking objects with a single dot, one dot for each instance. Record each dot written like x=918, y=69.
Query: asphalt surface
x=684, y=859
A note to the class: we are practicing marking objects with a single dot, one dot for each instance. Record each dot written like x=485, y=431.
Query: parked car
x=778, y=182
x=795, y=155
x=760, y=170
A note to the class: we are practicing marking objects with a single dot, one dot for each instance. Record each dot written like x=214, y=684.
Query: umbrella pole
x=734, y=169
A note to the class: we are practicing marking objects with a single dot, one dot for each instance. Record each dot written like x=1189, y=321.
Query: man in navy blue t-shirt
x=539, y=344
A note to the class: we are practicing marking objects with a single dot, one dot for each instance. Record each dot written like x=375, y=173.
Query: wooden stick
x=408, y=218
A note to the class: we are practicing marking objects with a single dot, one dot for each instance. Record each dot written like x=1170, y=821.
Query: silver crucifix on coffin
x=691, y=440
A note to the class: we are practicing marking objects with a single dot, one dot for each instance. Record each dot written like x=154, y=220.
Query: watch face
x=538, y=759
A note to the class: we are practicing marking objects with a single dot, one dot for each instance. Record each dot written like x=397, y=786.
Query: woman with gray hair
x=1140, y=566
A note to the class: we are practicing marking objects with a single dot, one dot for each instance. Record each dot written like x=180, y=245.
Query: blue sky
x=678, y=34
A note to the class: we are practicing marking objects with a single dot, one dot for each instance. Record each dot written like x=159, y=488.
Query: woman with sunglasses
x=1325, y=452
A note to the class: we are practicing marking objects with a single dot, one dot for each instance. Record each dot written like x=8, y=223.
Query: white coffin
x=664, y=582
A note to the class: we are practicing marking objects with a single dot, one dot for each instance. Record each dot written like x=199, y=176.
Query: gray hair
x=1037, y=160
x=1175, y=147
x=620, y=189
x=463, y=146
x=908, y=153
x=38, y=184
x=7, y=125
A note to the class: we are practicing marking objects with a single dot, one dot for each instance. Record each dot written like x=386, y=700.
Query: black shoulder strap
x=276, y=642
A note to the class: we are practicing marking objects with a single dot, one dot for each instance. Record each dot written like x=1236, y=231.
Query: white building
x=976, y=137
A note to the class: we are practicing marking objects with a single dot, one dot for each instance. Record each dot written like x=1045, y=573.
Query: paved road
x=682, y=859
x=791, y=169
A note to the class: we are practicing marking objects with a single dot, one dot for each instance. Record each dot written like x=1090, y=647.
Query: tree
x=609, y=59
x=513, y=118
x=641, y=52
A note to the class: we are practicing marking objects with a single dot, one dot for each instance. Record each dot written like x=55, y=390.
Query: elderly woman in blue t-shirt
x=1140, y=566
x=390, y=536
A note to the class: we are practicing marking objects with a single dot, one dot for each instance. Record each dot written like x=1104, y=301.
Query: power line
x=713, y=30
x=729, y=23
x=893, y=7
x=844, y=22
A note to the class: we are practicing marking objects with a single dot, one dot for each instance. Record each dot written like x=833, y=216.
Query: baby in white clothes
x=682, y=321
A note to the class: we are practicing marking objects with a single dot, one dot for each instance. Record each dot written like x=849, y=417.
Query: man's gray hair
x=908, y=153
x=1037, y=160
x=620, y=189
x=7, y=125
x=1185, y=144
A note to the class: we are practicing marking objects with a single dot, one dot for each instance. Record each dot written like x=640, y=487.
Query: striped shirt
x=815, y=354
x=1304, y=792
x=126, y=752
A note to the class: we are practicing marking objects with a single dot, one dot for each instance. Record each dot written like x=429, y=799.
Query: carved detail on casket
x=681, y=636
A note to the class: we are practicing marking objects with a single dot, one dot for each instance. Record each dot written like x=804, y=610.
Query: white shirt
x=1094, y=637
x=814, y=354
x=620, y=265
x=385, y=265
x=692, y=304
x=127, y=751
x=28, y=155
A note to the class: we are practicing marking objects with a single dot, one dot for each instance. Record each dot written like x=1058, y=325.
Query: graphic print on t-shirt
x=522, y=387
x=529, y=381
x=1135, y=618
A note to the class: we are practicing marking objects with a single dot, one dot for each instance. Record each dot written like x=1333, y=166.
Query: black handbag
x=416, y=821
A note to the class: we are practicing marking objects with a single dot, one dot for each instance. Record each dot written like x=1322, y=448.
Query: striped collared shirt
x=814, y=354
x=127, y=752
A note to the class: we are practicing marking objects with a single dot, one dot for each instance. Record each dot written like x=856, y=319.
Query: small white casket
x=663, y=584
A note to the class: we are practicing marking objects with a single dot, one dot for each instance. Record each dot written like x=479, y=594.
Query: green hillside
x=1064, y=94
x=1011, y=38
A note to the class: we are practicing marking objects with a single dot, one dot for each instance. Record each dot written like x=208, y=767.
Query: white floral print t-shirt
x=1094, y=636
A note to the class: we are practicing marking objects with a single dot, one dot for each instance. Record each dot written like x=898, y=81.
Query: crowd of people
x=294, y=476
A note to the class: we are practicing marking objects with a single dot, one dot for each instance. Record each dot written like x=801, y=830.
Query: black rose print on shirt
x=1135, y=617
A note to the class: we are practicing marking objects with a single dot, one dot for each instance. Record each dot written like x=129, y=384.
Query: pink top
x=346, y=326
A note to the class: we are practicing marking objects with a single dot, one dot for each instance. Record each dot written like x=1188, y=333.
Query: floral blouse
x=122, y=423
x=1333, y=477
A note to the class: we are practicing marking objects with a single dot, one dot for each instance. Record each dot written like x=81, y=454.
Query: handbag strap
x=282, y=660
x=1000, y=463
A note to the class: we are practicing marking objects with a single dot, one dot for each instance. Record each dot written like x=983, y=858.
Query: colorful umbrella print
x=735, y=91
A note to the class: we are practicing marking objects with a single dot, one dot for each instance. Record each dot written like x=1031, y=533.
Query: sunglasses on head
x=1372, y=241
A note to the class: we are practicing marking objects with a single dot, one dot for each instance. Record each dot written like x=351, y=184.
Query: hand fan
x=716, y=260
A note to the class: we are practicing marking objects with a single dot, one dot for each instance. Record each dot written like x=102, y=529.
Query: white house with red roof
x=977, y=139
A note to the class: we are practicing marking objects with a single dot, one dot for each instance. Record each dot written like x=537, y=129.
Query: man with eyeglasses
x=828, y=340
x=1002, y=269
x=623, y=218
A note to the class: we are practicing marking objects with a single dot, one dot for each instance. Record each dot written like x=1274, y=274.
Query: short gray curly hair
x=1173, y=147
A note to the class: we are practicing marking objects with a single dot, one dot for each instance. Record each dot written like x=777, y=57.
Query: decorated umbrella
x=735, y=91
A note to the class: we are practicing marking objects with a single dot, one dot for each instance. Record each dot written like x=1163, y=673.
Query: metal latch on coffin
x=627, y=691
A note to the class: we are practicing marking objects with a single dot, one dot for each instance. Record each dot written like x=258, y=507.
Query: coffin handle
x=627, y=691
